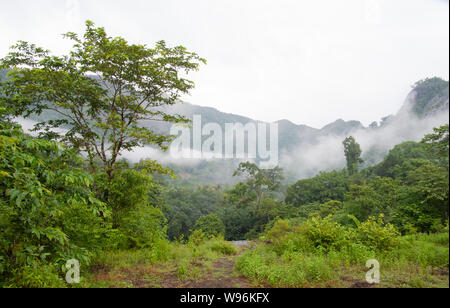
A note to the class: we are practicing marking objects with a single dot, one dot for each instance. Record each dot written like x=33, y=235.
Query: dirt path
x=222, y=275
x=219, y=273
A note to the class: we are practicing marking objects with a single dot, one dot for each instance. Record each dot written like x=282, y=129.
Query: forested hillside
x=304, y=144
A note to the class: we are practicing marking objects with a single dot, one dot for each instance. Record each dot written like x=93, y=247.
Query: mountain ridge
x=304, y=150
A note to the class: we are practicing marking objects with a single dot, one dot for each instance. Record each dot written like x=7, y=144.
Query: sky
x=310, y=62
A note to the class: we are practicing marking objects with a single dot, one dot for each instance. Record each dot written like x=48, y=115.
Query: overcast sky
x=311, y=62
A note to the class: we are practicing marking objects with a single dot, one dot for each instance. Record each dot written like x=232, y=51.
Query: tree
x=330, y=208
x=352, y=154
x=127, y=191
x=240, y=195
x=211, y=225
x=438, y=143
x=324, y=187
x=260, y=181
x=374, y=125
x=372, y=199
x=394, y=164
x=426, y=90
x=104, y=91
x=431, y=183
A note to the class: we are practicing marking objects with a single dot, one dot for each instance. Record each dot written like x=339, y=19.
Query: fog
x=327, y=152
x=324, y=153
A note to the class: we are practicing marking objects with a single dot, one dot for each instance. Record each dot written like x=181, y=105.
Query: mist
x=327, y=152
x=324, y=152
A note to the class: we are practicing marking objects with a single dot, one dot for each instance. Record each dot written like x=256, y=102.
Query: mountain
x=304, y=151
x=428, y=97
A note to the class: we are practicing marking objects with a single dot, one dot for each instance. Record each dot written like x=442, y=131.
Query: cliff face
x=428, y=98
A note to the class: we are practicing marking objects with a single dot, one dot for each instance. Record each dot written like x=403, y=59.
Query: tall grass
x=320, y=253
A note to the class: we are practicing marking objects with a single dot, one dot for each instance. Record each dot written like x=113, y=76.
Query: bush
x=37, y=275
x=48, y=212
x=323, y=234
x=375, y=234
x=143, y=227
x=222, y=247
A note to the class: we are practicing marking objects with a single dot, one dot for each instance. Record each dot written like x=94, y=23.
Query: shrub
x=279, y=230
x=37, y=275
x=324, y=234
x=222, y=247
x=375, y=234
x=48, y=212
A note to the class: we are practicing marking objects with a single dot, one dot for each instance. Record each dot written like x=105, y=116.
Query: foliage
x=185, y=205
x=220, y=246
x=48, y=214
x=330, y=208
x=426, y=90
x=321, y=253
x=324, y=187
x=438, y=143
x=393, y=164
x=238, y=221
x=352, y=154
x=372, y=199
x=103, y=91
x=211, y=225
x=323, y=234
x=423, y=203
x=260, y=181
x=126, y=190
x=143, y=227
x=375, y=234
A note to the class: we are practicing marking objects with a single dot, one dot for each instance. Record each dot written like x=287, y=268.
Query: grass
x=173, y=265
x=419, y=261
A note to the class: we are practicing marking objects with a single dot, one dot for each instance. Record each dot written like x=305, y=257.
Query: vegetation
x=66, y=194
x=320, y=253
x=427, y=90
x=102, y=90
x=352, y=154
x=210, y=225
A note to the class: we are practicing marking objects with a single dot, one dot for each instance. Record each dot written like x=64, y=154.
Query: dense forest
x=67, y=194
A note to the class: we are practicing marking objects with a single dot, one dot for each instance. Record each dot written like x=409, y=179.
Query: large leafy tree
x=260, y=181
x=438, y=144
x=372, y=199
x=394, y=164
x=103, y=91
x=211, y=225
x=352, y=154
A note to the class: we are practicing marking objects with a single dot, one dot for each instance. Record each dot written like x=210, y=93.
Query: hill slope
x=304, y=151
